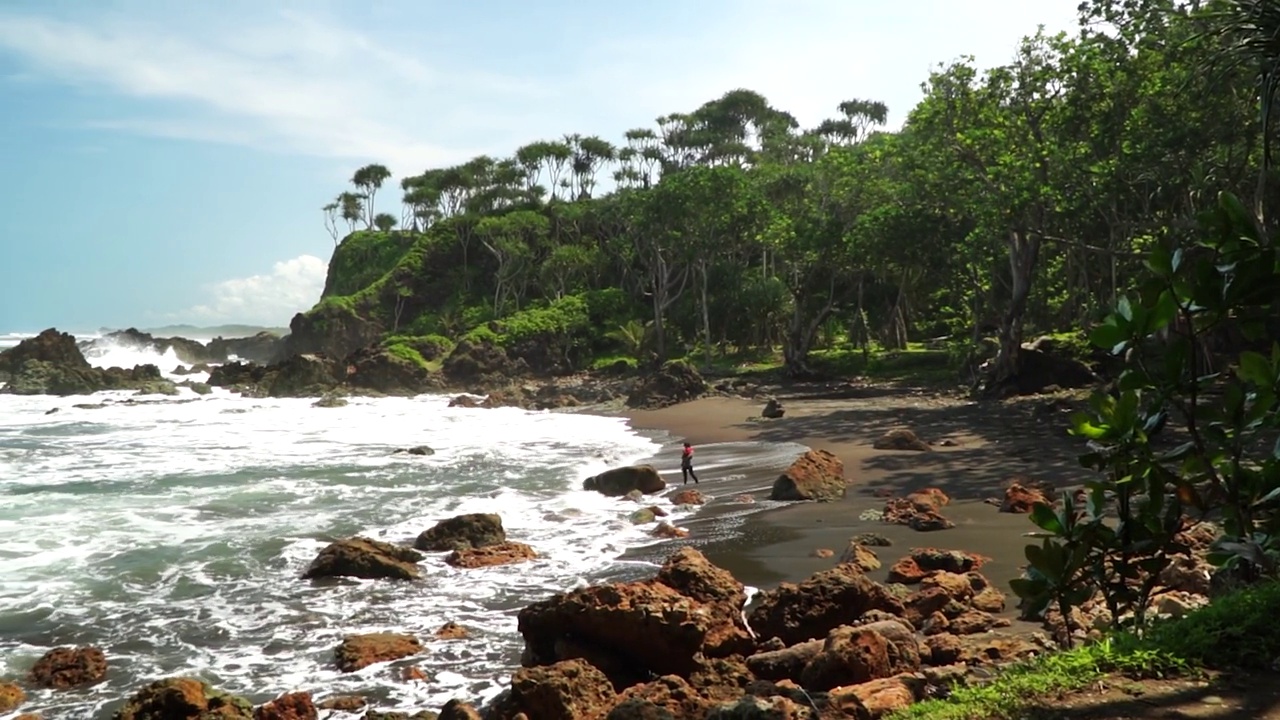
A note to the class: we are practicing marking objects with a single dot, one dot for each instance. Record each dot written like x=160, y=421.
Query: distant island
x=190, y=331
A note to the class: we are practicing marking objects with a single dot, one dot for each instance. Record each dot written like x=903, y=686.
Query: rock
x=63, y=668
x=750, y=707
x=343, y=703
x=50, y=346
x=784, y=664
x=815, y=475
x=452, y=631
x=825, y=601
x=332, y=400
x=1187, y=574
x=668, y=531
x=51, y=364
x=379, y=369
x=676, y=382
x=973, y=622
x=667, y=698
x=989, y=600
x=871, y=539
x=473, y=530
x=691, y=574
x=237, y=374
x=649, y=626
x=422, y=450
x=357, y=652
x=1021, y=499
x=183, y=698
x=414, y=673
x=505, y=553
x=886, y=695
x=861, y=556
x=290, y=706
x=922, y=561
x=458, y=710
x=687, y=497
x=1039, y=370
x=11, y=696
x=642, y=516
x=944, y=648
x=360, y=557
x=302, y=376
x=956, y=586
x=772, y=410
x=263, y=347
x=901, y=439
x=620, y=481
x=565, y=690
x=823, y=553
x=920, y=510
x=394, y=715
x=481, y=362
x=745, y=499
x=849, y=655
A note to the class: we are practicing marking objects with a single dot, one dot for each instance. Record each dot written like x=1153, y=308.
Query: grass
x=1236, y=631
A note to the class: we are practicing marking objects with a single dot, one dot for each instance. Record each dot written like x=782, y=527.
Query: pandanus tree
x=368, y=180
x=351, y=207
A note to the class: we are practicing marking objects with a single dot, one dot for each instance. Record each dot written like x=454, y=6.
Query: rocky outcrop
x=921, y=561
x=675, y=382
x=262, y=348
x=11, y=696
x=361, y=557
x=840, y=596
x=815, y=475
x=481, y=362
x=298, y=376
x=1019, y=498
x=183, y=698
x=620, y=481
x=773, y=410
x=920, y=510
x=63, y=668
x=51, y=364
x=504, y=553
x=633, y=630
x=377, y=368
x=329, y=330
x=566, y=690
x=473, y=530
x=290, y=706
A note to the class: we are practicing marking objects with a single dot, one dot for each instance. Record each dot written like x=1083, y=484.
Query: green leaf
x=1165, y=310
x=1046, y=519
x=1124, y=309
x=1108, y=337
x=1255, y=368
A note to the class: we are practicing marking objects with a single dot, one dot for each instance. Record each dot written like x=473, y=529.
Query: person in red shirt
x=686, y=464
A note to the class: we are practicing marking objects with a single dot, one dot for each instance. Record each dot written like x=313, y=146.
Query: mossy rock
x=183, y=698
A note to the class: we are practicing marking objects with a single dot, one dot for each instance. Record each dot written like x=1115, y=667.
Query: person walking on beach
x=686, y=464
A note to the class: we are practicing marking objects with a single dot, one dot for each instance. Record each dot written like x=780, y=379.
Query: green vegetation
x=1014, y=201
x=1235, y=632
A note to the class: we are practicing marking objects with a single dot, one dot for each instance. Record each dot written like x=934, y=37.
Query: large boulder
x=11, y=696
x=900, y=439
x=357, y=652
x=481, y=362
x=849, y=655
x=377, y=368
x=290, y=706
x=360, y=557
x=634, y=630
x=473, y=530
x=63, y=668
x=920, y=510
x=183, y=698
x=676, y=382
x=666, y=698
x=50, y=346
x=567, y=690
x=303, y=376
x=237, y=374
x=826, y=600
x=262, y=348
x=815, y=475
x=620, y=481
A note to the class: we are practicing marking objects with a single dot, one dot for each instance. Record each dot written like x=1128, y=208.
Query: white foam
x=173, y=534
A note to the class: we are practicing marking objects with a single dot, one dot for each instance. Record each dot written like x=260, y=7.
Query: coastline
x=978, y=447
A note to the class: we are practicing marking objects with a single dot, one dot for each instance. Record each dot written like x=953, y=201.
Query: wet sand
x=977, y=448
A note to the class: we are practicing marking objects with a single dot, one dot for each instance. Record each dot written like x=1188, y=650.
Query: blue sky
x=166, y=161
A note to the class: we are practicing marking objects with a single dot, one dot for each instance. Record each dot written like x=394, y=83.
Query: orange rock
x=292, y=706
x=669, y=531
x=11, y=696
x=452, y=631
x=688, y=497
x=1020, y=499
x=885, y=695
x=504, y=553
x=861, y=556
x=901, y=439
x=413, y=672
x=823, y=553
x=66, y=667
x=360, y=651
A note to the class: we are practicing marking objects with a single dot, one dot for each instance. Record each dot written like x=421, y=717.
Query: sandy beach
x=977, y=448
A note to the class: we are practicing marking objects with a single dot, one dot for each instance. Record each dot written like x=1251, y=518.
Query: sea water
x=172, y=532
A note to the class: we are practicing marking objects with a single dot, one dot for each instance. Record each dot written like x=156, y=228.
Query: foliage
x=1015, y=199
x=1236, y=631
x=362, y=258
x=1224, y=285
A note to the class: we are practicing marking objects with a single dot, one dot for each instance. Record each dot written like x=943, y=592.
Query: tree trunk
x=1024, y=250
x=800, y=335
x=706, y=313
x=659, y=330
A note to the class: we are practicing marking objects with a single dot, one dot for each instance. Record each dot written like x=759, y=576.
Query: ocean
x=172, y=532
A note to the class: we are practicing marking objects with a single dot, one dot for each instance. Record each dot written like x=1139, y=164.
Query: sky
x=165, y=162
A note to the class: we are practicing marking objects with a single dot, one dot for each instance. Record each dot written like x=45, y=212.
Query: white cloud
x=291, y=82
x=292, y=286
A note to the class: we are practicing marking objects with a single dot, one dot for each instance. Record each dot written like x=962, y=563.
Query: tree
x=352, y=207
x=384, y=221
x=331, y=220
x=369, y=180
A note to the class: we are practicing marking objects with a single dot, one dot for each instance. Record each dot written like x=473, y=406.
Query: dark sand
x=990, y=442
